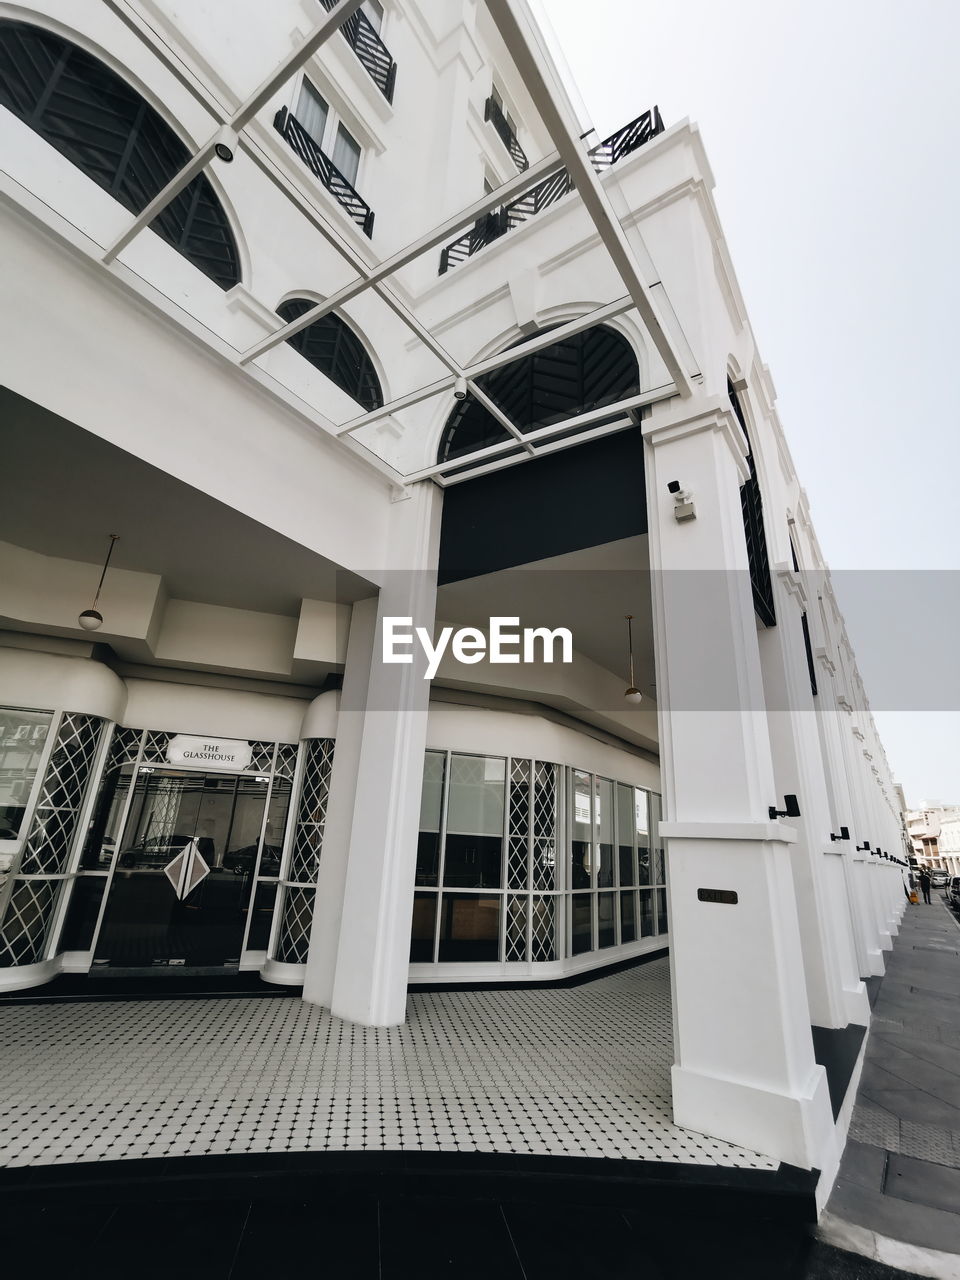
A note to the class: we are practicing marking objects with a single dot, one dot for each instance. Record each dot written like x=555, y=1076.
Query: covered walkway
x=582, y=1071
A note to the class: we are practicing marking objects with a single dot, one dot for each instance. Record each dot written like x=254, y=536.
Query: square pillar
x=744, y=1066
x=360, y=940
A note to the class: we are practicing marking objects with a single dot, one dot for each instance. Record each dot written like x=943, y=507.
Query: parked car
x=154, y=852
x=953, y=892
x=157, y=851
x=242, y=861
x=939, y=878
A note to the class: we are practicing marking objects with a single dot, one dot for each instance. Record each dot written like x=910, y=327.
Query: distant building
x=931, y=832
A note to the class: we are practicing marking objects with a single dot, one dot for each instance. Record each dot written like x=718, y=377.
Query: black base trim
x=67, y=988
x=837, y=1050
x=786, y=1194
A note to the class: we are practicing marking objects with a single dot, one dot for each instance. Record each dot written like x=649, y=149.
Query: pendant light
x=91, y=619
x=631, y=694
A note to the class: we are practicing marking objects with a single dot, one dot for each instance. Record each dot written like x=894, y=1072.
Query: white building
x=306, y=380
x=934, y=834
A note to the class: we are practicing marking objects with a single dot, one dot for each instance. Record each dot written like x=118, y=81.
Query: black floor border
x=786, y=1193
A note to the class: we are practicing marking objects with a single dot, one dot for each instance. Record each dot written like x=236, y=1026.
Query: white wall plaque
x=209, y=753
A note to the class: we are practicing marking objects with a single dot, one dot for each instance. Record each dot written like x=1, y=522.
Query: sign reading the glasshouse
x=209, y=753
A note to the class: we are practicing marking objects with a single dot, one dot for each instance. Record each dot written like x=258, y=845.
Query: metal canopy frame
x=518, y=30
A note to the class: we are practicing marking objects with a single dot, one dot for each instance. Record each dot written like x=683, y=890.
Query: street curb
x=910, y=1258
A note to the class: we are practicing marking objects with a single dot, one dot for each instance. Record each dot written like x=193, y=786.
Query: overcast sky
x=832, y=131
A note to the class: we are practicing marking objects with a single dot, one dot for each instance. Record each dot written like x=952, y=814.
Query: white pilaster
x=745, y=1068
x=834, y=987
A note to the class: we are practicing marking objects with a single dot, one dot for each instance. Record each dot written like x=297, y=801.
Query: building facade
x=934, y=835
x=344, y=321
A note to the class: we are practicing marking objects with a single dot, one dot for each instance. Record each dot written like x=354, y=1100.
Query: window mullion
x=50, y=87
x=132, y=139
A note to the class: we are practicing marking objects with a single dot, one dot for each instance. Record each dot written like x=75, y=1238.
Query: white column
x=834, y=989
x=360, y=943
x=841, y=805
x=745, y=1068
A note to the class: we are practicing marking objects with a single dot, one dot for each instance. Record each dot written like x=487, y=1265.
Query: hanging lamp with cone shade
x=91, y=619
x=631, y=694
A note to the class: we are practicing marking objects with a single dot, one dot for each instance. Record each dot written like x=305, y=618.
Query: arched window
x=103, y=126
x=585, y=371
x=333, y=348
x=752, y=506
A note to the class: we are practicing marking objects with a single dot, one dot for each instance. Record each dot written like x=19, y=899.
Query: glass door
x=183, y=873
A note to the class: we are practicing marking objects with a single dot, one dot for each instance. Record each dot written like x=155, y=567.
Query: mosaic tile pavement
x=580, y=1072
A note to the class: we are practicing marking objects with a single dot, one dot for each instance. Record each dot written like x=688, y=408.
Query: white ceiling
x=65, y=491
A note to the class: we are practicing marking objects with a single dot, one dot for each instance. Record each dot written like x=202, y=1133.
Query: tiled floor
x=581, y=1072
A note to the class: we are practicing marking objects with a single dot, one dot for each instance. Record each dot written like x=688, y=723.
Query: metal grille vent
x=582, y=372
x=752, y=506
x=103, y=126
x=331, y=346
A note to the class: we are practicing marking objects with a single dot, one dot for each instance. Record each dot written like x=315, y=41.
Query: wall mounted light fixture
x=91, y=619
x=631, y=694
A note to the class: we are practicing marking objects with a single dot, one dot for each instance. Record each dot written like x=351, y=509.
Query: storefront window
x=581, y=846
x=496, y=881
x=431, y=808
x=474, y=843
x=612, y=848
x=470, y=927
x=23, y=735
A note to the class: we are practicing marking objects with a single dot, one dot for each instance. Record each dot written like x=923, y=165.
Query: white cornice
x=674, y=421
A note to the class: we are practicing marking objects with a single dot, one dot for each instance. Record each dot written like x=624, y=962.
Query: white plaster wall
x=486, y=732
x=228, y=713
x=53, y=682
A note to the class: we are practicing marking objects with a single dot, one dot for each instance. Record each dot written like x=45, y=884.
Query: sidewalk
x=900, y=1175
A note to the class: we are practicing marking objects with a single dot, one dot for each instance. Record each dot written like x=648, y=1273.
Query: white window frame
x=14, y=844
x=511, y=114
x=333, y=122
x=383, y=16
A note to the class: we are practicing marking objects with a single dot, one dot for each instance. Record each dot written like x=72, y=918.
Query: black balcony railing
x=494, y=113
x=320, y=164
x=375, y=58
x=500, y=221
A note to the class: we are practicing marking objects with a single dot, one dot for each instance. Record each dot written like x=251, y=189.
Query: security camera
x=460, y=389
x=226, y=144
